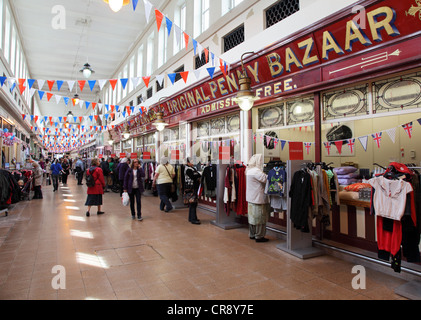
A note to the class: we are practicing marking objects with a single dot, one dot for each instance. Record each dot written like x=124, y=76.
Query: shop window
x=397, y=94
x=149, y=93
x=300, y=111
x=177, y=72
x=345, y=103
x=234, y=38
x=271, y=117
x=139, y=100
x=200, y=60
x=159, y=87
x=281, y=10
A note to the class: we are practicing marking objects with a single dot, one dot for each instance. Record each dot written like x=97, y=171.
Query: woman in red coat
x=95, y=193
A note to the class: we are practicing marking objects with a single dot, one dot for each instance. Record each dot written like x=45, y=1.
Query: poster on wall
x=296, y=151
x=340, y=140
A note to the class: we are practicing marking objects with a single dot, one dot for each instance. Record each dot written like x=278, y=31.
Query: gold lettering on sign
x=388, y=23
x=414, y=10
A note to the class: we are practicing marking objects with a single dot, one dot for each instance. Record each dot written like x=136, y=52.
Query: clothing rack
x=222, y=220
x=298, y=243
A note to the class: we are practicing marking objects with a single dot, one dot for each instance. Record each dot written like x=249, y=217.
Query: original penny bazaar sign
x=324, y=54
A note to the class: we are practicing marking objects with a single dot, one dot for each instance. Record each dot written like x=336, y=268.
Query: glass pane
x=345, y=103
x=397, y=94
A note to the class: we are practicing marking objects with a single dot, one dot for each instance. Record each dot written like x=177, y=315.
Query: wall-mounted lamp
x=245, y=96
x=126, y=133
x=159, y=123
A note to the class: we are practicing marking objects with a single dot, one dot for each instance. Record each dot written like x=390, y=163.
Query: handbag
x=189, y=196
x=172, y=185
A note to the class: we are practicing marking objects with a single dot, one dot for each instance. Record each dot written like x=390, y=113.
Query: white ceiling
x=58, y=54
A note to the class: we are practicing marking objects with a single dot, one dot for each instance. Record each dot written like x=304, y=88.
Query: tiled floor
x=161, y=258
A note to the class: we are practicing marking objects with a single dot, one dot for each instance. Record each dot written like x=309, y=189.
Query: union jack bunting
x=408, y=129
x=377, y=137
x=351, y=144
x=328, y=147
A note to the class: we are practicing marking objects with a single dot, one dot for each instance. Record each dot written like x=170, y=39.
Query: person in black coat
x=121, y=169
x=192, y=183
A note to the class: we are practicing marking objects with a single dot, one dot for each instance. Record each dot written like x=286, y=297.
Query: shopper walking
x=192, y=184
x=163, y=180
x=38, y=173
x=121, y=171
x=80, y=170
x=55, y=173
x=66, y=170
x=96, y=190
x=258, y=210
x=106, y=171
x=133, y=185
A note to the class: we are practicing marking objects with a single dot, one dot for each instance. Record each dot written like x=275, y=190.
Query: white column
x=246, y=137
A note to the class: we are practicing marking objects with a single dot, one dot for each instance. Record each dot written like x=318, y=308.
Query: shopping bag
x=125, y=199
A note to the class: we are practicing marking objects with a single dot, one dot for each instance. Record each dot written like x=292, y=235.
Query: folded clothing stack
x=347, y=175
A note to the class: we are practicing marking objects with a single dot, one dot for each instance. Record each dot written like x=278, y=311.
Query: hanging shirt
x=389, y=199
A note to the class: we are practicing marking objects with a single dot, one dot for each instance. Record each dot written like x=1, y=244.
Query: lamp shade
x=116, y=5
x=245, y=97
x=160, y=124
x=87, y=70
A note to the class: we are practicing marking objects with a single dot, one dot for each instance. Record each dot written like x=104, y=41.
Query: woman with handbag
x=191, y=188
x=96, y=190
x=133, y=185
x=163, y=180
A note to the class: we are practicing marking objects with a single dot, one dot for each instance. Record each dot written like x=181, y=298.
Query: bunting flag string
x=377, y=137
x=170, y=25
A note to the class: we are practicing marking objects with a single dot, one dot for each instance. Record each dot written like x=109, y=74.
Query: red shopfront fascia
x=385, y=38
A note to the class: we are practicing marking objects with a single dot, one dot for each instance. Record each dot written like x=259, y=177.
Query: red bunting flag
x=113, y=82
x=93, y=105
x=146, y=81
x=184, y=75
x=206, y=54
x=49, y=95
x=186, y=39
x=338, y=145
x=50, y=84
x=159, y=17
x=81, y=84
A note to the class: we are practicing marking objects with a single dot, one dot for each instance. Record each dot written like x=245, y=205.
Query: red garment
x=389, y=241
x=242, y=204
x=99, y=181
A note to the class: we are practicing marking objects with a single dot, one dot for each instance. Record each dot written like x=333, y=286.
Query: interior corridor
x=163, y=257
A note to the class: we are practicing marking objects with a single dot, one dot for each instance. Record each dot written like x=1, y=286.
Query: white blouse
x=390, y=197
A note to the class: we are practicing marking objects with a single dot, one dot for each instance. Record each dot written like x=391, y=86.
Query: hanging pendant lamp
x=116, y=5
x=87, y=70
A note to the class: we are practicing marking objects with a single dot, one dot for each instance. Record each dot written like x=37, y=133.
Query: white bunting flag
x=392, y=134
x=363, y=141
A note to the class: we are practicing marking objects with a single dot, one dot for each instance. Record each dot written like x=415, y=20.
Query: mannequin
x=258, y=209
